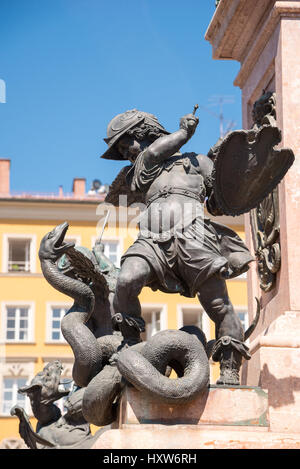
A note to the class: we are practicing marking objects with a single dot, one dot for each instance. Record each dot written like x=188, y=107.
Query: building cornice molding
x=47, y=210
x=62, y=358
x=19, y=359
x=29, y=210
x=21, y=274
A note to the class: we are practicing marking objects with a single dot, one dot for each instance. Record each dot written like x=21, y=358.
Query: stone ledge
x=193, y=437
x=222, y=428
x=241, y=406
x=282, y=332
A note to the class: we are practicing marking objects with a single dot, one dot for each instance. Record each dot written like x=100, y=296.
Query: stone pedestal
x=241, y=406
x=222, y=417
x=264, y=37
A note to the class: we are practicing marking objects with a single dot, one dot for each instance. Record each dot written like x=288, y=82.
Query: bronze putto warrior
x=179, y=249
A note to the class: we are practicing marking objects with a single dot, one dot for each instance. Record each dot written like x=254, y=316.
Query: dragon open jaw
x=59, y=233
x=61, y=230
x=53, y=245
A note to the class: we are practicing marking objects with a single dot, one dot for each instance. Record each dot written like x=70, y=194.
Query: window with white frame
x=243, y=315
x=10, y=395
x=194, y=315
x=112, y=251
x=19, y=255
x=18, y=323
x=55, y=315
x=190, y=317
x=155, y=321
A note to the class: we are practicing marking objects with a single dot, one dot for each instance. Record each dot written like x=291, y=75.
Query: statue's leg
x=229, y=347
x=213, y=296
x=134, y=275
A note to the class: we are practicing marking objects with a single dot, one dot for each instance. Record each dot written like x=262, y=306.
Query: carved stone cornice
x=20, y=359
x=240, y=30
x=232, y=26
x=280, y=9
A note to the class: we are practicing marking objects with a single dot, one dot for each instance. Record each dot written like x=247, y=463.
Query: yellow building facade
x=31, y=310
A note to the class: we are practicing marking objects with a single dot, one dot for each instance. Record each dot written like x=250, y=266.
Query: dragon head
x=46, y=385
x=52, y=245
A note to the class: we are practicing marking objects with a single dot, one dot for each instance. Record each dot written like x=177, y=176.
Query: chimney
x=79, y=187
x=4, y=176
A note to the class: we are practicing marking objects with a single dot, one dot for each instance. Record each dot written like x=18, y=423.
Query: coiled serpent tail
x=100, y=399
x=182, y=351
x=99, y=404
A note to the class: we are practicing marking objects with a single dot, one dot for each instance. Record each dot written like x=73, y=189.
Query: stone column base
x=239, y=406
x=275, y=366
x=222, y=417
x=193, y=437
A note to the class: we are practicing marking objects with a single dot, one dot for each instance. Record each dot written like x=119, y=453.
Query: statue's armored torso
x=181, y=170
x=174, y=192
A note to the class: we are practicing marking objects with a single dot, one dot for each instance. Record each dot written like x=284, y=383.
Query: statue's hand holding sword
x=189, y=122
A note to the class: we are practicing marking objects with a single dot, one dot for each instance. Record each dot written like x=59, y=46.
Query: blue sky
x=71, y=65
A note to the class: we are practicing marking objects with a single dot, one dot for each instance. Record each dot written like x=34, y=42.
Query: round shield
x=247, y=168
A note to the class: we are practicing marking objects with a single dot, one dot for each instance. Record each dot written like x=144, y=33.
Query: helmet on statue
x=121, y=123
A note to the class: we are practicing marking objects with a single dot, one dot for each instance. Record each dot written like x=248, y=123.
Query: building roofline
x=59, y=200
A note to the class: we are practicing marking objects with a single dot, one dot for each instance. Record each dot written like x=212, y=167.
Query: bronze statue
x=178, y=249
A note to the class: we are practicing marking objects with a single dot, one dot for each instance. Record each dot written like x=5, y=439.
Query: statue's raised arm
x=166, y=146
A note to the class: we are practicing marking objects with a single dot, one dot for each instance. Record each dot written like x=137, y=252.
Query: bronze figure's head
x=126, y=132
